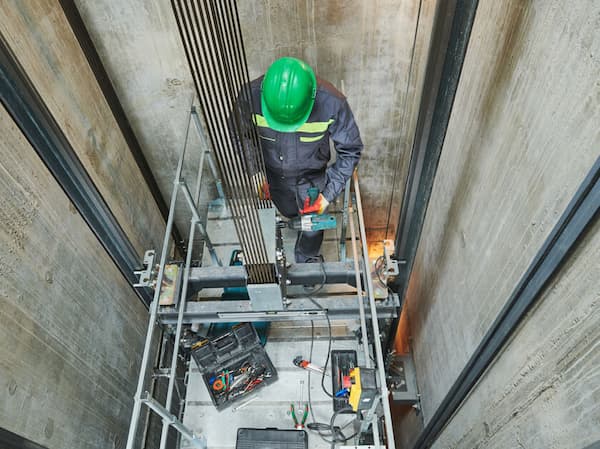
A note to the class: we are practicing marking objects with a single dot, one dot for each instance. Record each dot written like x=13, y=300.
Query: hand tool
x=305, y=364
x=299, y=425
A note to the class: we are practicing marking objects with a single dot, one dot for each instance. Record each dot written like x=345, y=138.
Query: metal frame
x=296, y=308
x=387, y=415
x=139, y=398
x=579, y=216
x=297, y=274
x=299, y=309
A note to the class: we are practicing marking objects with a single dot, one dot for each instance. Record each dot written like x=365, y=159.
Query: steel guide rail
x=194, y=222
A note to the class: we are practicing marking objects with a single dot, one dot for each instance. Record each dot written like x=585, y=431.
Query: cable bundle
x=212, y=39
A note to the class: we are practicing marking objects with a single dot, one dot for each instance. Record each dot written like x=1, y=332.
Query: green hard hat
x=288, y=94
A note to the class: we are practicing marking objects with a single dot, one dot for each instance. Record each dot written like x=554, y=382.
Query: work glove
x=318, y=207
x=261, y=186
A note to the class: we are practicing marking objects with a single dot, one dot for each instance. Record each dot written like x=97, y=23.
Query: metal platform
x=270, y=406
x=342, y=293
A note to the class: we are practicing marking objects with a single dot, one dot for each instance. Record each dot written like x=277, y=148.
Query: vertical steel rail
x=173, y=368
x=209, y=157
x=359, y=290
x=344, y=222
x=204, y=147
x=361, y=307
x=158, y=362
x=376, y=340
x=135, y=414
x=194, y=222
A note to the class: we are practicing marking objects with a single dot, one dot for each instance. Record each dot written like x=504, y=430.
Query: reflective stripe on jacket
x=299, y=157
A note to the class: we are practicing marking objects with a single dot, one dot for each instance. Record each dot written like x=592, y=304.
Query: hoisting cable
x=211, y=36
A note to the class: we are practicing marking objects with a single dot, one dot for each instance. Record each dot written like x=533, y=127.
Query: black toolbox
x=342, y=362
x=233, y=365
x=271, y=439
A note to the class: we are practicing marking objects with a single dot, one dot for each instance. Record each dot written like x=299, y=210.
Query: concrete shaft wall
x=522, y=136
x=372, y=50
x=71, y=328
x=43, y=42
x=375, y=52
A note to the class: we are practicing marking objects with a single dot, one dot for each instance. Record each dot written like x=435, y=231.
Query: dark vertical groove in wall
x=28, y=110
x=9, y=440
x=579, y=216
x=89, y=50
x=451, y=32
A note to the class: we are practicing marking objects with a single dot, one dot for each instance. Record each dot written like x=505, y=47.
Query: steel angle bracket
x=147, y=274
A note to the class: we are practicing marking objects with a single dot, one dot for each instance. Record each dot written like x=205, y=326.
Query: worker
x=295, y=114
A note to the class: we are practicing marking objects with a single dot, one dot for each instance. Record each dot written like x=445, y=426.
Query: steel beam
x=337, y=307
x=298, y=274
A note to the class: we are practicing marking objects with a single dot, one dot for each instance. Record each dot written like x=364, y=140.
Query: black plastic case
x=342, y=362
x=228, y=352
x=271, y=439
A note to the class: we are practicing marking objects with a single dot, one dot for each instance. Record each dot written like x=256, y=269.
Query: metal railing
x=143, y=397
x=364, y=295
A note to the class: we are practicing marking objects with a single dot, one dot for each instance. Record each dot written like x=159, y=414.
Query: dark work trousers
x=289, y=200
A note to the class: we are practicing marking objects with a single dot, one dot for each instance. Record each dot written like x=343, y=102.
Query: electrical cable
x=328, y=347
x=335, y=432
x=316, y=290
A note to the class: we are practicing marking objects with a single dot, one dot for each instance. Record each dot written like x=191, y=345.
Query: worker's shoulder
x=329, y=91
x=255, y=85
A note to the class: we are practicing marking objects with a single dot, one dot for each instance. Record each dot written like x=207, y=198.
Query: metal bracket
x=147, y=274
x=265, y=297
x=391, y=265
x=402, y=379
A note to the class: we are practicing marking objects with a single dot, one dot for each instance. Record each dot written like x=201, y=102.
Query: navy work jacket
x=296, y=159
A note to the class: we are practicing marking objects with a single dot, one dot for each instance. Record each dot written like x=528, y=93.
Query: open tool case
x=233, y=365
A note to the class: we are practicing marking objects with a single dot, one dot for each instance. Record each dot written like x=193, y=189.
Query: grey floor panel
x=271, y=405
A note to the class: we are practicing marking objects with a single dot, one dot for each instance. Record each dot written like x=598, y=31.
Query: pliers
x=299, y=425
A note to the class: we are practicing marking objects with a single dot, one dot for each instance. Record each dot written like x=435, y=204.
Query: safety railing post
x=137, y=404
x=387, y=415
